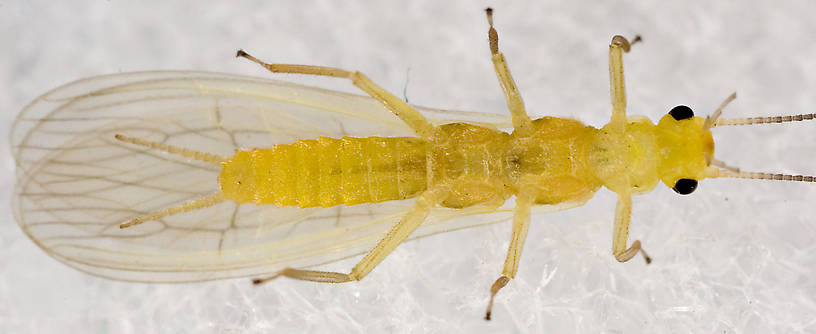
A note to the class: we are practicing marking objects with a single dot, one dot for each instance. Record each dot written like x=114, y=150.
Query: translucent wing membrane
x=77, y=183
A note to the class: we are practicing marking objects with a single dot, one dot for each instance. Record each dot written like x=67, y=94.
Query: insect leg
x=521, y=223
x=403, y=110
x=398, y=233
x=521, y=121
x=623, y=213
x=617, y=47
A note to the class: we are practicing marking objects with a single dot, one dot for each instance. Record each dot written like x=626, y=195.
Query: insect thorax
x=482, y=165
x=554, y=161
x=469, y=161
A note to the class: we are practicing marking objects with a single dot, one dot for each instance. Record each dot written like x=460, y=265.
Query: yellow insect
x=113, y=178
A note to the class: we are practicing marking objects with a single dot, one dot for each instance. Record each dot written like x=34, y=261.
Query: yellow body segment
x=689, y=149
x=554, y=162
x=325, y=172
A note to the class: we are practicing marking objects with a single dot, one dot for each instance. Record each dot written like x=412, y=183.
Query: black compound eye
x=685, y=186
x=681, y=112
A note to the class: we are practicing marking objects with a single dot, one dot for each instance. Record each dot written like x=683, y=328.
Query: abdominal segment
x=326, y=172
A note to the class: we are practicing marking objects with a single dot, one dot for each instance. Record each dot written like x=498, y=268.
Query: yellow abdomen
x=326, y=172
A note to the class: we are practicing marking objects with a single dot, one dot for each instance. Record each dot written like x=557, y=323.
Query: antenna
x=710, y=121
x=715, y=120
x=764, y=120
x=765, y=176
x=725, y=171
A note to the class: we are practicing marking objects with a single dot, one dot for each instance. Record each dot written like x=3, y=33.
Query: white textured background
x=736, y=256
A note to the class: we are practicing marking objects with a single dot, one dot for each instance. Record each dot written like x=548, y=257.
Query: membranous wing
x=76, y=183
